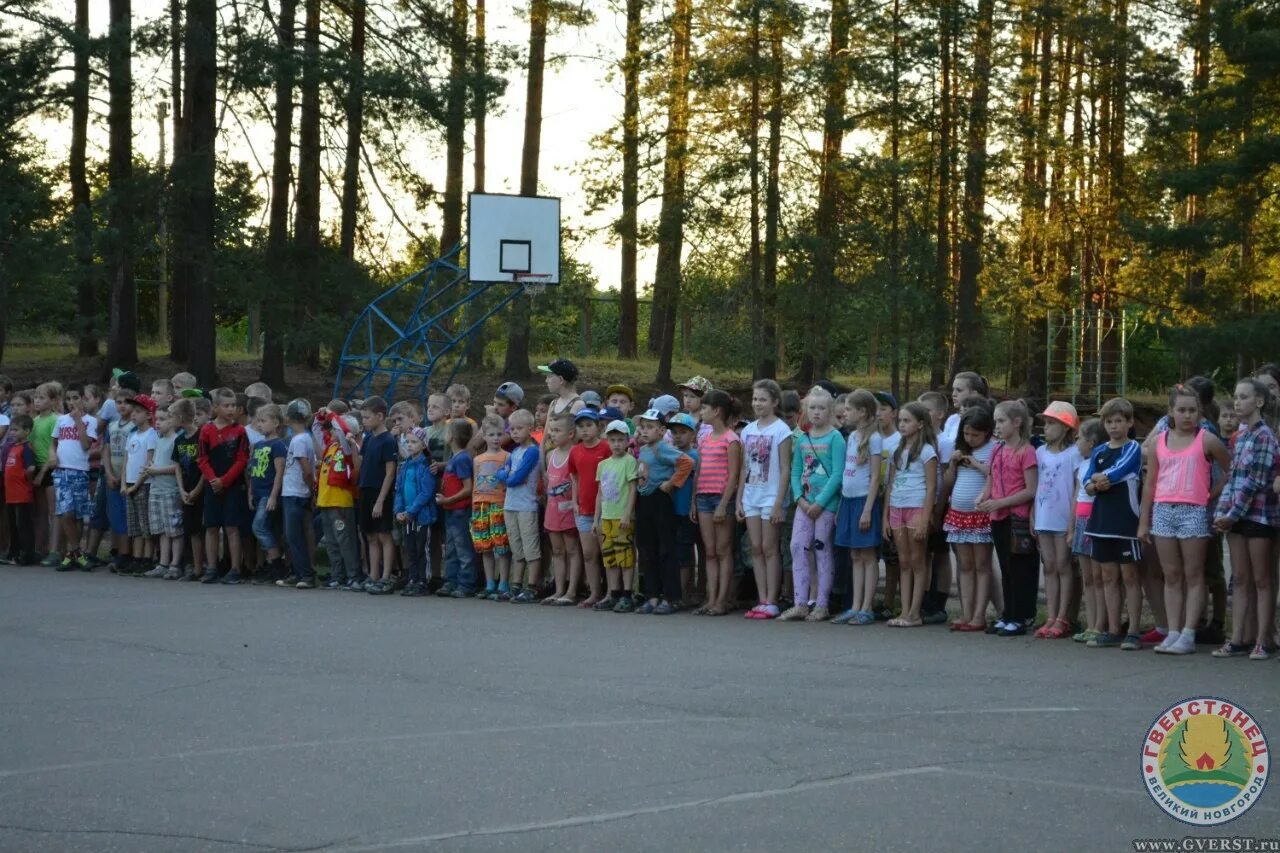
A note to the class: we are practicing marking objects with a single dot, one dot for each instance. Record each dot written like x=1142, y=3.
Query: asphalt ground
x=144, y=715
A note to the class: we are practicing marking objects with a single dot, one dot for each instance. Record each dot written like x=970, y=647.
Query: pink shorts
x=903, y=516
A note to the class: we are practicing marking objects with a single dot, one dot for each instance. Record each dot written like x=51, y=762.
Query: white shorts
x=757, y=504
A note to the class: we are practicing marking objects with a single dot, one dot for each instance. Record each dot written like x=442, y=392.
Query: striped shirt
x=713, y=469
x=1253, y=467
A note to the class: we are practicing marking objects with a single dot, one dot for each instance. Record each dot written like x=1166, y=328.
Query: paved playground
x=140, y=715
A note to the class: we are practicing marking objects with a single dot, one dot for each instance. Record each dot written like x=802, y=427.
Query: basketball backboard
x=511, y=235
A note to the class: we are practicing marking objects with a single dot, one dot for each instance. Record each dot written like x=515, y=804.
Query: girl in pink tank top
x=1178, y=489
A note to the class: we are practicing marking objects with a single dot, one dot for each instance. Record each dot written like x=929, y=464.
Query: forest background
x=903, y=186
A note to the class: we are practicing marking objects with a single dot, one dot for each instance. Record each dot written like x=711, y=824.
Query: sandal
x=715, y=611
x=1057, y=629
x=702, y=611
x=588, y=603
x=563, y=601
x=896, y=623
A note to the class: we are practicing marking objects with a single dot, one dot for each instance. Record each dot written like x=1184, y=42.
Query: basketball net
x=533, y=283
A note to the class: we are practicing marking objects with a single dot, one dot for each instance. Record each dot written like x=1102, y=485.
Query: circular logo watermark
x=1205, y=761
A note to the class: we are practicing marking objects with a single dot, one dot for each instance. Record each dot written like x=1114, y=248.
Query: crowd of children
x=683, y=505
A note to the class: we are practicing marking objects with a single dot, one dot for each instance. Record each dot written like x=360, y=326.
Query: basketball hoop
x=534, y=283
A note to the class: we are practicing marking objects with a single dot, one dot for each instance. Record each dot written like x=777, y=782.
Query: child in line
x=164, y=509
x=46, y=406
x=968, y=529
x=460, y=403
x=296, y=492
x=966, y=387
x=1057, y=461
x=1247, y=513
x=720, y=463
x=684, y=431
x=584, y=458
x=1178, y=489
x=887, y=426
x=1008, y=498
x=1095, y=605
x=520, y=475
x=859, y=521
x=558, y=517
x=488, y=524
x=437, y=454
x=224, y=454
x=817, y=465
x=266, y=482
x=74, y=434
x=912, y=485
x=663, y=470
x=190, y=482
x=415, y=507
x=377, y=478
x=1113, y=478
x=614, y=517
x=19, y=491
x=336, y=497
x=136, y=491
x=762, y=492
x=454, y=500
x=933, y=608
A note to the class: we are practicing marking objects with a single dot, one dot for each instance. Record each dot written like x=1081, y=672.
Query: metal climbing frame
x=1087, y=354
x=378, y=348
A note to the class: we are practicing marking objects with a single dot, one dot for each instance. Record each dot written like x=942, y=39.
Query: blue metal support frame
x=419, y=345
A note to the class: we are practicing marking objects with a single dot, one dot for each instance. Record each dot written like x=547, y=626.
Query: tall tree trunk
x=122, y=343
x=667, y=273
x=81, y=211
x=276, y=311
x=827, y=228
x=895, y=203
x=753, y=157
x=179, y=281
x=201, y=104
x=767, y=359
x=1041, y=262
x=942, y=233
x=1200, y=137
x=455, y=127
x=516, y=363
x=476, y=344
x=355, y=127
x=306, y=202
x=628, y=346
x=968, y=321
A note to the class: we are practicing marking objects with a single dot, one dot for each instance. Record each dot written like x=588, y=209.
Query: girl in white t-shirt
x=762, y=492
x=1057, y=459
x=968, y=530
x=858, y=524
x=912, y=485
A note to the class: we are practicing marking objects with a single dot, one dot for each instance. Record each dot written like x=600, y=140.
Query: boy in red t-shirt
x=19, y=493
x=223, y=456
x=584, y=458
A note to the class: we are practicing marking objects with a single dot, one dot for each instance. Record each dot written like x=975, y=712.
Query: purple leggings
x=809, y=535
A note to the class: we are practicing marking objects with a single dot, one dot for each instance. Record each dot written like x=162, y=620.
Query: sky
x=578, y=103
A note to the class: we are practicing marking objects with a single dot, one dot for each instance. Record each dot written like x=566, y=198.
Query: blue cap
x=587, y=414
x=611, y=413
x=886, y=398
x=683, y=419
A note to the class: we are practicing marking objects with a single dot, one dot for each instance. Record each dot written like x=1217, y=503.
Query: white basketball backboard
x=508, y=235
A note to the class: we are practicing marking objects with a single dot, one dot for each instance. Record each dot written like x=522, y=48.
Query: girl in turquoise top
x=817, y=468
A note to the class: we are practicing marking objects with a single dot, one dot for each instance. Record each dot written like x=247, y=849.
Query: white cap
x=652, y=415
x=618, y=426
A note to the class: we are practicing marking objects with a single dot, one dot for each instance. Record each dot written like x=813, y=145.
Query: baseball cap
x=510, y=391
x=829, y=386
x=1063, y=412
x=651, y=415
x=618, y=426
x=685, y=420
x=145, y=402
x=886, y=398
x=562, y=367
x=619, y=388
x=611, y=413
x=586, y=415
x=297, y=410
x=419, y=433
x=591, y=398
x=127, y=379
x=191, y=393
x=666, y=404
x=699, y=385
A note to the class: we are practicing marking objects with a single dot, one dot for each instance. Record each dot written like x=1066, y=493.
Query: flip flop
x=564, y=601
x=715, y=611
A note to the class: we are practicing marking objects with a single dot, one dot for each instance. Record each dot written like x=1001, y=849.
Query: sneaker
x=332, y=583
x=460, y=593
x=173, y=574
x=1131, y=643
x=232, y=578
x=1104, y=641
x=84, y=564
x=210, y=576
x=483, y=594
x=95, y=562
x=1155, y=635
x=305, y=583
x=818, y=614
x=51, y=560
x=1012, y=629
x=645, y=609
x=771, y=611
x=844, y=618
x=626, y=604
x=795, y=613
x=503, y=595
x=996, y=627
x=66, y=564
x=935, y=618
x=526, y=596
x=413, y=589
x=1259, y=653
x=354, y=585
x=863, y=617
x=446, y=590
x=287, y=583
x=604, y=605
x=1231, y=650
x=1084, y=636
x=1181, y=644
x=664, y=608
x=157, y=572
x=378, y=588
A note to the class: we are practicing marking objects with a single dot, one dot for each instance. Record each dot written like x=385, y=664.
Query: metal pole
x=1124, y=351
x=162, y=291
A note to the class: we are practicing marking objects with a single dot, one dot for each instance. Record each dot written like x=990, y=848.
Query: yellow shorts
x=617, y=546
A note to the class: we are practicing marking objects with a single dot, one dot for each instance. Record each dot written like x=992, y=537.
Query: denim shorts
x=1179, y=521
x=584, y=523
x=1081, y=544
x=707, y=504
x=71, y=493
